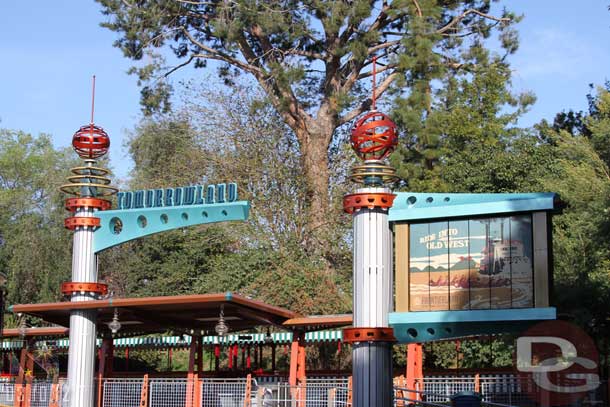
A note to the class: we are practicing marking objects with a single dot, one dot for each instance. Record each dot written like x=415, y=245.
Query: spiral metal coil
x=374, y=173
x=87, y=184
x=89, y=181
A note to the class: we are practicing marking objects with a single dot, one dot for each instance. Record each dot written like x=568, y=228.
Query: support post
x=235, y=356
x=197, y=396
x=373, y=138
x=230, y=354
x=23, y=384
x=371, y=337
x=350, y=393
x=259, y=362
x=414, y=370
x=297, y=375
x=199, y=355
x=248, y=395
x=144, y=392
x=243, y=358
x=191, y=377
x=29, y=376
x=20, y=383
x=273, y=358
x=54, y=397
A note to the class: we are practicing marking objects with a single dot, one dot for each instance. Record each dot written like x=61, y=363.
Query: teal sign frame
x=144, y=213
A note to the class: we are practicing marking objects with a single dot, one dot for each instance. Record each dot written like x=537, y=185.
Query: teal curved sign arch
x=120, y=226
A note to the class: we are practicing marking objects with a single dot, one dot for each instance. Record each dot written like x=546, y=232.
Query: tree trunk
x=315, y=139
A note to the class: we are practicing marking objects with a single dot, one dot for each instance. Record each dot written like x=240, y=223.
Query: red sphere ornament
x=90, y=142
x=374, y=136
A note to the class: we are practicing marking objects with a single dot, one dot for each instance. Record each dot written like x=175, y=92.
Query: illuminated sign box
x=471, y=255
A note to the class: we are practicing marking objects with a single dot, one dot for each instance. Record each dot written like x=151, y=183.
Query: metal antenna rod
x=374, y=83
x=93, y=100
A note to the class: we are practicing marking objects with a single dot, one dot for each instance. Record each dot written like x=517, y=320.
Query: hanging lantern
x=221, y=327
x=268, y=337
x=115, y=325
x=23, y=327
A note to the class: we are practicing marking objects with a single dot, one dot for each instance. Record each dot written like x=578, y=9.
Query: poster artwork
x=471, y=264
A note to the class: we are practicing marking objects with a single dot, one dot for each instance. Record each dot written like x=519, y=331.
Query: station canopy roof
x=185, y=314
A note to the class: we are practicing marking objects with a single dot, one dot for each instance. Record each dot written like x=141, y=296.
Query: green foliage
x=313, y=61
x=581, y=233
x=235, y=134
x=35, y=251
x=460, y=135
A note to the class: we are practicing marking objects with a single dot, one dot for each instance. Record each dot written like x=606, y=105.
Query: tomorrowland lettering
x=191, y=195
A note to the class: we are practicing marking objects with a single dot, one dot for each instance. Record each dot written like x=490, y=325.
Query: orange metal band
x=351, y=335
x=97, y=288
x=74, y=203
x=355, y=202
x=73, y=222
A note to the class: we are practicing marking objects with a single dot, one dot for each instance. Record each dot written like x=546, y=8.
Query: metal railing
x=121, y=392
x=498, y=391
x=37, y=393
x=404, y=397
x=319, y=394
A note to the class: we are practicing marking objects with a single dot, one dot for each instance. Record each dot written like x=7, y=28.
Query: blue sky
x=50, y=49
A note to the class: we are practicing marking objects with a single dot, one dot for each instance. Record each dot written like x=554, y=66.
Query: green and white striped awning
x=185, y=341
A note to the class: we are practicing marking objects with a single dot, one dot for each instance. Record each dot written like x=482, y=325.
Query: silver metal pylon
x=373, y=138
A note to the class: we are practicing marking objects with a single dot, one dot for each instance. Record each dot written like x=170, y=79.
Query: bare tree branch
x=368, y=74
x=211, y=53
x=388, y=44
x=460, y=17
x=418, y=8
x=174, y=69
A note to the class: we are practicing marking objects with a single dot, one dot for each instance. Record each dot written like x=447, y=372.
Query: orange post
x=99, y=389
x=294, y=360
x=54, y=399
x=349, y=391
x=414, y=380
x=248, y=397
x=191, y=382
x=19, y=385
x=301, y=372
x=29, y=376
x=477, y=383
x=297, y=374
x=197, y=391
x=144, y=392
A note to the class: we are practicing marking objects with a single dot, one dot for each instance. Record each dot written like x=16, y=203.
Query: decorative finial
x=373, y=139
x=88, y=184
x=374, y=136
x=91, y=141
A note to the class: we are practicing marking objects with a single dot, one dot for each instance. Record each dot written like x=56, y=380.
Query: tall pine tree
x=312, y=58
